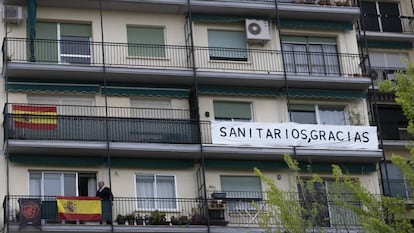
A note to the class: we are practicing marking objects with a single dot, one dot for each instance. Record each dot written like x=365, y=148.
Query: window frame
x=214, y=50
x=308, y=57
x=330, y=206
x=379, y=17
x=238, y=202
x=61, y=180
x=317, y=112
x=154, y=199
x=134, y=46
x=234, y=119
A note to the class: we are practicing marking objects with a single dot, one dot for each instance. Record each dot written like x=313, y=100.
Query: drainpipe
x=108, y=152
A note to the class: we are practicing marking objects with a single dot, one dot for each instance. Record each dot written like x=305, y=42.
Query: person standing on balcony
x=106, y=195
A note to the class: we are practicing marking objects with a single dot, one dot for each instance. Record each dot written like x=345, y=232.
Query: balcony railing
x=307, y=2
x=187, y=211
x=85, y=123
x=388, y=23
x=395, y=131
x=178, y=57
x=387, y=73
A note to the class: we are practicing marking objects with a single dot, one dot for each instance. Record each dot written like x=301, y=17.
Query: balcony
x=41, y=124
x=174, y=215
x=386, y=73
x=173, y=64
x=333, y=10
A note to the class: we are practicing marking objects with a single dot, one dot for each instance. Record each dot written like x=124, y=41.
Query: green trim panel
x=217, y=18
x=326, y=94
x=238, y=91
x=49, y=160
x=244, y=164
x=53, y=88
x=150, y=163
x=279, y=165
x=153, y=92
x=389, y=44
x=346, y=168
x=316, y=24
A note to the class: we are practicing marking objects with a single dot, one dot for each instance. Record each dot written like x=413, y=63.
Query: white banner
x=293, y=134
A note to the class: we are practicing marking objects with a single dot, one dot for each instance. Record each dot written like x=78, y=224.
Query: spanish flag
x=79, y=208
x=34, y=117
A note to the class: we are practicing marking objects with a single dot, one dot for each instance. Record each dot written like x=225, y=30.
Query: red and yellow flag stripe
x=79, y=208
x=34, y=117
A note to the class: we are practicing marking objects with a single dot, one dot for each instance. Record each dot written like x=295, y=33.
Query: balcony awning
x=238, y=91
x=346, y=167
x=150, y=163
x=330, y=94
x=309, y=24
x=244, y=164
x=279, y=165
x=47, y=160
x=216, y=18
x=53, y=88
x=146, y=91
x=384, y=44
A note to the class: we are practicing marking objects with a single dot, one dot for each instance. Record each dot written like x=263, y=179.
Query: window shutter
x=229, y=45
x=241, y=186
x=140, y=37
x=70, y=29
x=232, y=110
x=46, y=48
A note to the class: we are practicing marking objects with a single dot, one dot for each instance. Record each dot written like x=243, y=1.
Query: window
x=398, y=185
x=319, y=199
x=227, y=45
x=73, y=43
x=232, y=111
x=393, y=123
x=318, y=114
x=67, y=105
x=241, y=191
x=45, y=183
x=156, y=191
x=146, y=41
x=310, y=55
x=381, y=16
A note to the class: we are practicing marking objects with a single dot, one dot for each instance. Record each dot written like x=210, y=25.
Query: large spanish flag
x=79, y=208
x=34, y=117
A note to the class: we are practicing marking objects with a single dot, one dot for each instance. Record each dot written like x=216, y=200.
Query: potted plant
x=139, y=219
x=198, y=219
x=157, y=218
x=130, y=218
x=120, y=219
x=179, y=220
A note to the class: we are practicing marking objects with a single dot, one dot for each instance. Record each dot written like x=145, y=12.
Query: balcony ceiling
x=94, y=74
x=389, y=36
x=302, y=154
x=247, y=8
x=82, y=148
x=182, y=151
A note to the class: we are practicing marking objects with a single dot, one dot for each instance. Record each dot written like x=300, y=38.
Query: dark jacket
x=105, y=194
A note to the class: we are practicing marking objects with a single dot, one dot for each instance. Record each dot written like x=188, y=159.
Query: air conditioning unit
x=257, y=31
x=13, y=14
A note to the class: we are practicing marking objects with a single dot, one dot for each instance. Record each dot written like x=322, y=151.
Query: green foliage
x=375, y=213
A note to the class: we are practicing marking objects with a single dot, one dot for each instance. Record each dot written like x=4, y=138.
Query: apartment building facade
x=173, y=103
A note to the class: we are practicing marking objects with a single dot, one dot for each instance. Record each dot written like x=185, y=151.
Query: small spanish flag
x=34, y=117
x=79, y=208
